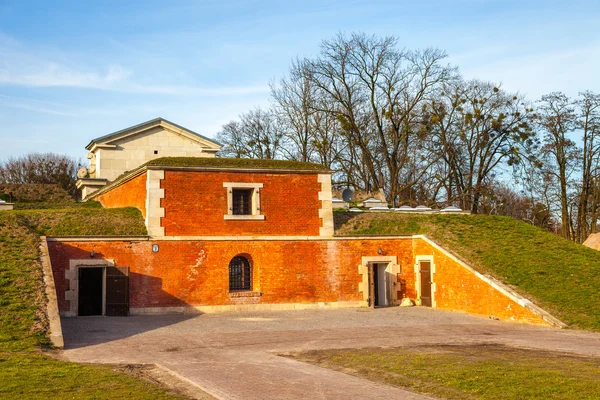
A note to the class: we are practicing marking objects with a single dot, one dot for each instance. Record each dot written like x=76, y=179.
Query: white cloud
x=50, y=74
x=568, y=70
x=20, y=66
x=196, y=91
x=34, y=105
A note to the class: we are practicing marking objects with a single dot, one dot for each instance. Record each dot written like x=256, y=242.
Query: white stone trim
x=256, y=211
x=72, y=275
x=216, y=238
x=418, y=259
x=242, y=185
x=231, y=217
x=394, y=269
x=154, y=194
x=326, y=210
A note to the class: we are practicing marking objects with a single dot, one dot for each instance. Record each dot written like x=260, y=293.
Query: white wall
x=133, y=151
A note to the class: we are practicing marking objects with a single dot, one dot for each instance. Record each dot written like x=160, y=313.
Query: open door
x=380, y=285
x=91, y=282
x=117, y=291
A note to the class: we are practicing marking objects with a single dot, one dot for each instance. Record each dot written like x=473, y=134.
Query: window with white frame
x=243, y=201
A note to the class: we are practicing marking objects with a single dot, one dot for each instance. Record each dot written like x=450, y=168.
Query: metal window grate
x=242, y=201
x=239, y=274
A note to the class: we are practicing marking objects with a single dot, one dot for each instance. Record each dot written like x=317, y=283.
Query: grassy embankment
x=25, y=371
x=561, y=276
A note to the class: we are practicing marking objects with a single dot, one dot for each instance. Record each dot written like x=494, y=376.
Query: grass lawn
x=25, y=371
x=469, y=372
x=559, y=275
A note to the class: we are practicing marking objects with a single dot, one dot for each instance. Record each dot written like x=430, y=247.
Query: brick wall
x=195, y=273
x=130, y=194
x=195, y=203
x=459, y=289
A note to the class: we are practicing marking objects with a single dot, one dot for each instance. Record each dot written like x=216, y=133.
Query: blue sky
x=74, y=70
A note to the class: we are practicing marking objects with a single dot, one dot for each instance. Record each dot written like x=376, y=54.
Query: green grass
x=234, y=163
x=469, y=372
x=25, y=371
x=27, y=376
x=559, y=275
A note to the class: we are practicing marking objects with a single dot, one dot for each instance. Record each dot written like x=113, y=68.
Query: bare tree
x=256, y=135
x=589, y=124
x=294, y=97
x=309, y=125
x=557, y=118
x=234, y=141
x=376, y=91
x=41, y=168
x=477, y=127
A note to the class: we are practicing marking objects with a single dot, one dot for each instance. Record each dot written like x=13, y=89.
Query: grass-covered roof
x=235, y=163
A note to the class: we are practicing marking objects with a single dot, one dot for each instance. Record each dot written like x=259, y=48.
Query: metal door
x=117, y=291
x=425, y=275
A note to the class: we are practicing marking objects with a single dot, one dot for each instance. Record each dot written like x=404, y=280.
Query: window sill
x=245, y=294
x=244, y=217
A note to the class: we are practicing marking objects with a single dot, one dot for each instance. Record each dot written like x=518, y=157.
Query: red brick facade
x=191, y=204
x=195, y=203
x=195, y=273
x=130, y=194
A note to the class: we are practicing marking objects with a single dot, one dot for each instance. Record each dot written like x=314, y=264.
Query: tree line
x=404, y=120
x=41, y=168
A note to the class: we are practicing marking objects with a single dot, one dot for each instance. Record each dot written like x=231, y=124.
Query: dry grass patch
x=469, y=372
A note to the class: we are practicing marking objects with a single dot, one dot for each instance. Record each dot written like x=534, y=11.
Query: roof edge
x=154, y=121
x=219, y=169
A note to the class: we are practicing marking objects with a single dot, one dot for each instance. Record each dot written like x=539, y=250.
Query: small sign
x=155, y=248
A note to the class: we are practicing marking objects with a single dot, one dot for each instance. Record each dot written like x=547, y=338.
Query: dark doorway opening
x=379, y=290
x=90, y=291
x=377, y=299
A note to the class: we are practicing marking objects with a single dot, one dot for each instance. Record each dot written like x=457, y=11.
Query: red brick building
x=231, y=234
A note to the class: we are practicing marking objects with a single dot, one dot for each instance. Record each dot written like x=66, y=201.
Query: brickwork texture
x=188, y=273
x=130, y=194
x=195, y=204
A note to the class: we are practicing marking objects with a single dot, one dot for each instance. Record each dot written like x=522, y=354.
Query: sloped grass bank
x=561, y=276
x=25, y=372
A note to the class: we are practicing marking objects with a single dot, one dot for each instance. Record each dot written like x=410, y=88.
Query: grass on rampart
x=561, y=276
x=25, y=371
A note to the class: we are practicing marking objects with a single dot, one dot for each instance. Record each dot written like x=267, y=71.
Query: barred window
x=239, y=274
x=242, y=201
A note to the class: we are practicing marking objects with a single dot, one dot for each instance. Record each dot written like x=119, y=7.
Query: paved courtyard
x=233, y=355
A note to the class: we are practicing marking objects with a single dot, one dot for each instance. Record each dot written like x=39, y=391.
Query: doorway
x=380, y=285
x=425, y=281
x=91, y=291
x=103, y=291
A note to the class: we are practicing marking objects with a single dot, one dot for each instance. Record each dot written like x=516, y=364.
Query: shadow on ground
x=80, y=332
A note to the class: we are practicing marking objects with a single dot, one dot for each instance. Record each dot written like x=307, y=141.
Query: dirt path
x=233, y=356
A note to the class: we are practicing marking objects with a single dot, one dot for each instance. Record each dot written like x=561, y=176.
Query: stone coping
x=214, y=238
